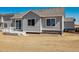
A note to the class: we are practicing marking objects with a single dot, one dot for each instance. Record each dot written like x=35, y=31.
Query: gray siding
x=57, y=27
x=8, y=21
x=35, y=28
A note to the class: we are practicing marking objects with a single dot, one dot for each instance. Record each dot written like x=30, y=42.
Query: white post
x=40, y=25
x=21, y=25
x=2, y=20
x=15, y=24
x=62, y=25
x=10, y=27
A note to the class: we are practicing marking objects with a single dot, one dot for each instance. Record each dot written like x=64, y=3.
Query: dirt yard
x=40, y=42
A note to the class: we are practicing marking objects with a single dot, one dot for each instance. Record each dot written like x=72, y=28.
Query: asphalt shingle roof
x=44, y=12
x=50, y=12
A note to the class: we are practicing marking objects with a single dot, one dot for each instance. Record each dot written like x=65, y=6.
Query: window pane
x=13, y=23
x=48, y=22
x=52, y=22
x=29, y=22
x=33, y=22
x=5, y=25
x=19, y=24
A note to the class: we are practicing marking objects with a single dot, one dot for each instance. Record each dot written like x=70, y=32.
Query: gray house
x=69, y=24
x=37, y=21
x=51, y=19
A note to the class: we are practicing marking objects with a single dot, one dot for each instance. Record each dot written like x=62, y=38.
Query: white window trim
x=46, y=22
x=31, y=18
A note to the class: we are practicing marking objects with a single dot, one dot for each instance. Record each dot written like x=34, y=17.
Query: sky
x=69, y=11
x=72, y=12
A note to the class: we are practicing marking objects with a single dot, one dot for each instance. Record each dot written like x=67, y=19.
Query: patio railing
x=9, y=29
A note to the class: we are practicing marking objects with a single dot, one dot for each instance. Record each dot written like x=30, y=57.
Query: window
x=50, y=22
x=13, y=23
x=31, y=22
x=5, y=25
x=0, y=24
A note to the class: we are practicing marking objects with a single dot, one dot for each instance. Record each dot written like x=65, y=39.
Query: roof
x=6, y=14
x=43, y=12
x=50, y=12
x=69, y=19
x=19, y=15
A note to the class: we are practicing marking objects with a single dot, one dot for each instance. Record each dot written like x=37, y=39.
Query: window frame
x=31, y=19
x=50, y=25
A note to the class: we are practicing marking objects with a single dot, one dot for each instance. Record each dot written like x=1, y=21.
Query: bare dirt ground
x=40, y=42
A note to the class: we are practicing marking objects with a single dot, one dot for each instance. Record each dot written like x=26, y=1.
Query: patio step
x=16, y=33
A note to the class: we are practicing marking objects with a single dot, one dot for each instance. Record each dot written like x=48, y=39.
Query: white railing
x=8, y=29
x=11, y=30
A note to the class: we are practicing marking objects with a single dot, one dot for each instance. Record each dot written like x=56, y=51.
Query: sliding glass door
x=18, y=24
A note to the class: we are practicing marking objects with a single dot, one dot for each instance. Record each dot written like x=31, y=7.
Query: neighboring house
x=5, y=21
x=76, y=27
x=69, y=24
x=51, y=19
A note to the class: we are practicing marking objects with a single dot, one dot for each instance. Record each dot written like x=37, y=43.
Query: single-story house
x=69, y=24
x=51, y=19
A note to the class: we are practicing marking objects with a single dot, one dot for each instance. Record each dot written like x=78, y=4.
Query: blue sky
x=69, y=11
x=72, y=12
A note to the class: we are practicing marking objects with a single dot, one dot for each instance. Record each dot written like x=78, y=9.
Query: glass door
x=18, y=24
